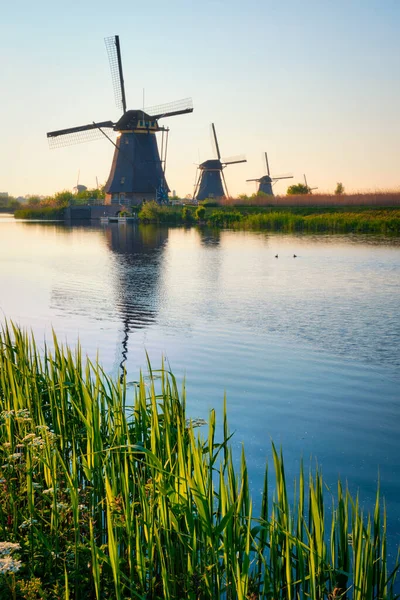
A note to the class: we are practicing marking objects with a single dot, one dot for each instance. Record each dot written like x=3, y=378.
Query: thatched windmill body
x=210, y=181
x=137, y=171
x=267, y=181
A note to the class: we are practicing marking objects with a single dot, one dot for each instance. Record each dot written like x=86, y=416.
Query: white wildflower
x=8, y=547
x=29, y=436
x=15, y=456
x=9, y=565
x=48, y=491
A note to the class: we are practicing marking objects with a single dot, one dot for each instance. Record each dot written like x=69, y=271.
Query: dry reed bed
x=359, y=199
x=109, y=492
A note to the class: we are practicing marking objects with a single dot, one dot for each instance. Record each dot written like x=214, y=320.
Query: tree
x=339, y=188
x=63, y=199
x=34, y=201
x=298, y=188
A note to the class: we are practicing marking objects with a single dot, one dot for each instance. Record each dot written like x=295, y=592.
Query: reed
x=366, y=221
x=372, y=199
x=114, y=493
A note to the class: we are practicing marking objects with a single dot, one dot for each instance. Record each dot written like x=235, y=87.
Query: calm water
x=307, y=348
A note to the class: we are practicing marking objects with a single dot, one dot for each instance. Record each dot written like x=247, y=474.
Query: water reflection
x=137, y=273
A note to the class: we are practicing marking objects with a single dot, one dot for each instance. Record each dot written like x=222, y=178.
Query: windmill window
x=122, y=179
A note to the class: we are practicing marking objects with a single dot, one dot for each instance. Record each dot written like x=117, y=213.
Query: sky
x=315, y=83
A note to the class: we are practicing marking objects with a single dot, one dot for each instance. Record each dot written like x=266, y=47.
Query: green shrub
x=150, y=212
x=187, y=215
x=209, y=203
x=200, y=213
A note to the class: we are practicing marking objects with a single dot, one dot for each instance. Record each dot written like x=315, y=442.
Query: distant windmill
x=310, y=189
x=79, y=186
x=266, y=181
x=137, y=171
x=210, y=182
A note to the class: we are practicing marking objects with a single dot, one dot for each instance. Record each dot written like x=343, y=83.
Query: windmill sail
x=114, y=57
x=179, y=107
x=215, y=140
x=78, y=135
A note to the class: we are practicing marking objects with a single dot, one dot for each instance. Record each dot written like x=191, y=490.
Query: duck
x=276, y=256
x=294, y=255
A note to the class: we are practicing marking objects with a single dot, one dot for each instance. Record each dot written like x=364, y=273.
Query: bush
x=209, y=202
x=187, y=215
x=298, y=188
x=200, y=213
x=150, y=212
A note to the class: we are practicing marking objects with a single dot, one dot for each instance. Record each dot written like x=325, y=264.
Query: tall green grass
x=113, y=493
x=41, y=212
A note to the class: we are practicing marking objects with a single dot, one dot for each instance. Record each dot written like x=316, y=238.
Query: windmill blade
x=266, y=161
x=282, y=177
x=179, y=107
x=233, y=160
x=114, y=58
x=252, y=179
x=215, y=139
x=78, y=135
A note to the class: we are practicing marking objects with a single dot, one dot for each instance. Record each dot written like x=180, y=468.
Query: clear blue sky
x=315, y=83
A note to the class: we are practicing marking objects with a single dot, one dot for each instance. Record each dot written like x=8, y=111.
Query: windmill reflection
x=136, y=275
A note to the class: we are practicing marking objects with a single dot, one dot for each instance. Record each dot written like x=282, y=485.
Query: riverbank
x=108, y=492
x=343, y=219
x=313, y=219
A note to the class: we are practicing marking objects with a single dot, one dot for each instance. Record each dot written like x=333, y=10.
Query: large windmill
x=137, y=170
x=210, y=182
x=266, y=181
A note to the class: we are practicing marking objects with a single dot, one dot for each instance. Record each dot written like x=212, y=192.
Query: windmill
x=310, y=189
x=266, y=181
x=210, y=182
x=137, y=170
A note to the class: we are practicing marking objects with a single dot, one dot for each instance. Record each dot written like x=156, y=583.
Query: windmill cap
x=130, y=119
x=213, y=164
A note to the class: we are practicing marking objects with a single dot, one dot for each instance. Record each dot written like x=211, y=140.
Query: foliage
x=222, y=218
x=298, y=188
x=200, y=213
x=209, y=203
x=40, y=212
x=34, y=201
x=187, y=215
x=113, y=495
x=8, y=204
x=339, y=188
x=372, y=221
x=90, y=194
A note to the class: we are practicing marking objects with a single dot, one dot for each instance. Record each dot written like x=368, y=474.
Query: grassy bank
x=110, y=494
x=365, y=221
x=342, y=219
x=43, y=212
